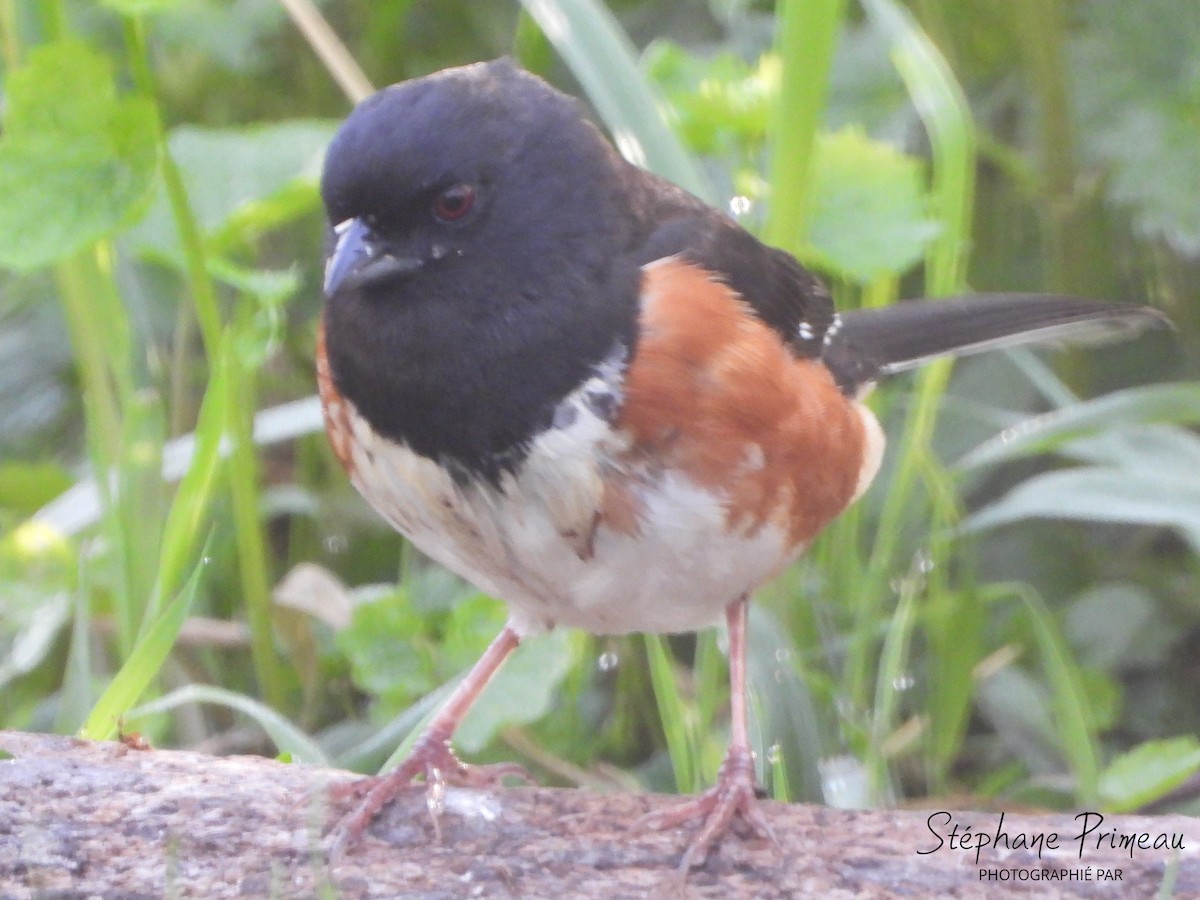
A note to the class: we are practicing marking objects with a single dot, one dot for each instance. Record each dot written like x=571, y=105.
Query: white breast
x=536, y=541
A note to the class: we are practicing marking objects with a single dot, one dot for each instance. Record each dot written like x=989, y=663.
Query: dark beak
x=360, y=259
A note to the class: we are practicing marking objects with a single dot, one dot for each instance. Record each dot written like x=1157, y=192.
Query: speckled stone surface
x=81, y=820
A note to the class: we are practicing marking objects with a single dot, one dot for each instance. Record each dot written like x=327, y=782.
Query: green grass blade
x=591, y=41
x=77, y=695
x=708, y=669
x=781, y=789
x=98, y=326
x=807, y=38
x=253, y=560
x=784, y=708
x=1166, y=888
x=893, y=671
x=947, y=119
x=680, y=743
x=200, y=283
x=143, y=664
x=1072, y=716
x=141, y=502
x=190, y=508
x=946, y=115
x=286, y=736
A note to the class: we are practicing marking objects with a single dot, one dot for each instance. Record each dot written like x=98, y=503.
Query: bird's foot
x=734, y=796
x=431, y=758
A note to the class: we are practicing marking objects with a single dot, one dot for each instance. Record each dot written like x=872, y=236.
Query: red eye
x=454, y=202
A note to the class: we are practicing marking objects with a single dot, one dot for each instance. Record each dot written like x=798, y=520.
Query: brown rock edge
x=81, y=819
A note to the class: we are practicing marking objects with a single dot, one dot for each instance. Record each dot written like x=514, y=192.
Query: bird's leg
x=734, y=795
x=431, y=756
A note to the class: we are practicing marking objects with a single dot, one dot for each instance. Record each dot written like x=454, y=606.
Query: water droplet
x=435, y=793
x=207, y=560
x=608, y=661
x=903, y=682
x=740, y=205
x=775, y=754
x=923, y=562
x=336, y=543
x=783, y=654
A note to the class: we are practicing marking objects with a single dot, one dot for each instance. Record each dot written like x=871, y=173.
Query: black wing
x=785, y=295
x=871, y=343
x=861, y=346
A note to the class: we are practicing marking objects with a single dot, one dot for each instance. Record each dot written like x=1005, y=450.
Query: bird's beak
x=360, y=258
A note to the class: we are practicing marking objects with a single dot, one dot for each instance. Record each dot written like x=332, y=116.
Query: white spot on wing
x=831, y=332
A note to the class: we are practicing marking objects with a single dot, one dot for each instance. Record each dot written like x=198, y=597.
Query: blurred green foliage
x=1013, y=611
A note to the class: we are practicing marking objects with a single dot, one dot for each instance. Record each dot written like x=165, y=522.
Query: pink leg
x=432, y=755
x=734, y=793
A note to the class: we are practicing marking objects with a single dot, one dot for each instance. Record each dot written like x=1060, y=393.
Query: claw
x=431, y=759
x=733, y=797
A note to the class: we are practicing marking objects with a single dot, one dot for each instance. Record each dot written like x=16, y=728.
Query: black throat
x=470, y=381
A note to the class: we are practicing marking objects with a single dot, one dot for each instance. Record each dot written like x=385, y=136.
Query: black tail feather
x=873, y=343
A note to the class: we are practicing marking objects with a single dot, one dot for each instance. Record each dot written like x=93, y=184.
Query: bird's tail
x=872, y=343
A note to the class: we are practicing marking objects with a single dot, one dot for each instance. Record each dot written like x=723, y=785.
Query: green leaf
x=1117, y=626
x=405, y=643
x=241, y=182
x=1148, y=771
x=1164, y=448
x=472, y=623
x=1161, y=403
x=26, y=486
x=1099, y=494
x=521, y=692
x=718, y=104
x=1018, y=710
x=869, y=214
x=76, y=160
x=387, y=650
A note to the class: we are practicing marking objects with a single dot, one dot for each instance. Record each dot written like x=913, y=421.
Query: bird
x=594, y=396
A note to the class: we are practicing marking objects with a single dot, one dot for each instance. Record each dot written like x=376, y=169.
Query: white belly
x=536, y=541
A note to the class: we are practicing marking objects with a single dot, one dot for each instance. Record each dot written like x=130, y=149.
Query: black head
x=477, y=270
